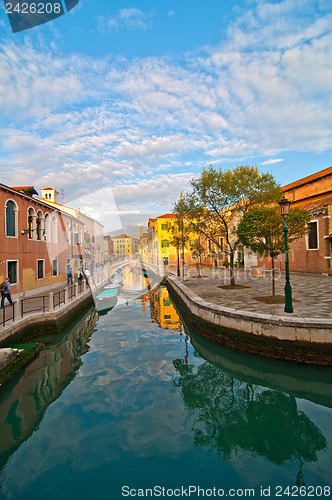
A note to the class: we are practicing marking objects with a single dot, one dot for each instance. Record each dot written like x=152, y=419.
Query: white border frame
x=16, y=210
x=57, y=268
x=17, y=270
x=43, y=261
x=307, y=238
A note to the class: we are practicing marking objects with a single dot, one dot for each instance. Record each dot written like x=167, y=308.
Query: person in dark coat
x=5, y=293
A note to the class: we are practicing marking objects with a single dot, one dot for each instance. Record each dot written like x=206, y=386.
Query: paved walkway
x=312, y=294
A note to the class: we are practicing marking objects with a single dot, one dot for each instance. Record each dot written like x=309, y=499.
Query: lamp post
x=182, y=238
x=284, y=210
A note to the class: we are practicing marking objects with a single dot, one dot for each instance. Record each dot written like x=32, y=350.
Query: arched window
x=68, y=232
x=48, y=228
x=54, y=229
x=11, y=210
x=31, y=223
x=40, y=225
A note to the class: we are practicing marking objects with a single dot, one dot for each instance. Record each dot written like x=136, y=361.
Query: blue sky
x=134, y=98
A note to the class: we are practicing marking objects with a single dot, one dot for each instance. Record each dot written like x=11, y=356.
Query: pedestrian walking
x=69, y=277
x=5, y=292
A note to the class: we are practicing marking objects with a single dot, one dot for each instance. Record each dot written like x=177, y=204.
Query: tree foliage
x=219, y=199
x=261, y=229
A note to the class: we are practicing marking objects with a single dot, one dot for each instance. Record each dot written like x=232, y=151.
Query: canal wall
x=38, y=323
x=304, y=340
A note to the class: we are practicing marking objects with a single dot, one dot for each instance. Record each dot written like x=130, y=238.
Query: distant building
x=125, y=246
x=88, y=237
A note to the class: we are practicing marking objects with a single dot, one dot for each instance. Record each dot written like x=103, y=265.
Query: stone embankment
x=52, y=319
x=302, y=339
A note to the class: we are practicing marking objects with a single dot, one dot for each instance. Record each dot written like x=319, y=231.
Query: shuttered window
x=10, y=219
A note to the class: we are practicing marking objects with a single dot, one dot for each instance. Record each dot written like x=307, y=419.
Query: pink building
x=38, y=242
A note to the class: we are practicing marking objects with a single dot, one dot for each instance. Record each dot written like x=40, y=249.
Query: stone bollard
x=18, y=309
x=76, y=290
x=84, y=285
x=50, y=302
x=66, y=295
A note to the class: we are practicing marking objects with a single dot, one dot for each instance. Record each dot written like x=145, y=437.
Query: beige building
x=88, y=236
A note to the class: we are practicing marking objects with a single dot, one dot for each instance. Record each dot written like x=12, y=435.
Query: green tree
x=219, y=199
x=261, y=229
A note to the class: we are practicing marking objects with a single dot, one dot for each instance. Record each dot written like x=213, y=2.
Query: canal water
x=130, y=402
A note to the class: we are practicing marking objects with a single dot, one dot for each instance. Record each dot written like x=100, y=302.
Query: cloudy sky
x=132, y=98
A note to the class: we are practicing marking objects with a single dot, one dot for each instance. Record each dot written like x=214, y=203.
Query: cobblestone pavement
x=312, y=293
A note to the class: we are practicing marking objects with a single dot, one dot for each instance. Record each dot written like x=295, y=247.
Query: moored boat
x=106, y=299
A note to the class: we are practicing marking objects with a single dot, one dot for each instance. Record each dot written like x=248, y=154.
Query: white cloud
x=83, y=124
x=125, y=19
x=31, y=83
x=272, y=161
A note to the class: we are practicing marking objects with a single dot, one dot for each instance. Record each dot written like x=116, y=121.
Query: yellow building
x=162, y=310
x=125, y=246
x=162, y=242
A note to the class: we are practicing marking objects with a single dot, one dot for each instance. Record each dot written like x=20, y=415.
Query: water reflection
x=151, y=397
x=162, y=309
x=233, y=414
x=24, y=400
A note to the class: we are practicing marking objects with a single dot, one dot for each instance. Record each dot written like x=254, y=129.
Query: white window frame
x=43, y=261
x=17, y=270
x=16, y=218
x=307, y=238
x=57, y=268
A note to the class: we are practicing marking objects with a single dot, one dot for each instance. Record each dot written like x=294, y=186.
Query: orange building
x=38, y=242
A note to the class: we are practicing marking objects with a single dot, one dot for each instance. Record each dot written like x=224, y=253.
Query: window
x=165, y=261
x=68, y=264
x=76, y=234
x=10, y=218
x=48, y=225
x=31, y=223
x=164, y=227
x=68, y=232
x=40, y=269
x=164, y=244
x=12, y=271
x=313, y=236
x=39, y=225
x=167, y=316
x=54, y=230
x=55, y=267
x=167, y=302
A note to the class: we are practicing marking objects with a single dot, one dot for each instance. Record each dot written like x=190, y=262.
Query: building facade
x=125, y=246
x=36, y=246
x=88, y=237
x=312, y=253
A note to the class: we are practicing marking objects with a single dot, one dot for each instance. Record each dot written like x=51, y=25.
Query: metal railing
x=42, y=303
x=8, y=313
x=71, y=291
x=33, y=304
x=59, y=298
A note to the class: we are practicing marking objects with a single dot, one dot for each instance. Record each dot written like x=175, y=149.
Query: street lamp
x=284, y=210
